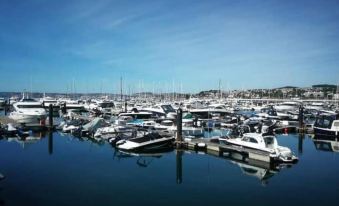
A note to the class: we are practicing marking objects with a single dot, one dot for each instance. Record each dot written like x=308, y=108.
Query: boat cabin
x=327, y=122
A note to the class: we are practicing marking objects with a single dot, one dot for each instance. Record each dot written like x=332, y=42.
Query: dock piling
x=63, y=109
x=179, y=139
x=50, y=116
x=5, y=107
x=301, y=117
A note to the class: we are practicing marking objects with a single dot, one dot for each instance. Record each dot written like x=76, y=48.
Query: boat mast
x=31, y=87
x=121, y=89
x=219, y=90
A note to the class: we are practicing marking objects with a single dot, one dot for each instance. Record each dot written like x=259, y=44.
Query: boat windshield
x=324, y=121
x=167, y=108
x=146, y=138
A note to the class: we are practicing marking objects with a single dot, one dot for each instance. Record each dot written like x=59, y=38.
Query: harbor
x=170, y=102
x=215, y=149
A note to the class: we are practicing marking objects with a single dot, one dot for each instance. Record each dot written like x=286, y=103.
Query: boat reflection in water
x=25, y=141
x=143, y=159
x=326, y=143
x=259, y=169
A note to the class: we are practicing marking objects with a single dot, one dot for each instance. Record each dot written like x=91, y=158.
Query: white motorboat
x=327, y=125
x=211, y=111
x=100, y=105
x=149, y=141
x=266, y=144
x=46, y=101
x=161, y=110
x=28, y=111
x=287, y=106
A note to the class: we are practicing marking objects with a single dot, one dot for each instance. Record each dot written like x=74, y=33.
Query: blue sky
x=153, y=45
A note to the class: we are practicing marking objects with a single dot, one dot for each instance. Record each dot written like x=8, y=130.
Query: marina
x=170, y=102
x=87, y=151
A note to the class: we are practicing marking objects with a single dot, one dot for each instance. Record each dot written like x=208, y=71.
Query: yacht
x=287, y=106
x=211, y=111
x=316, y=106
x=101, y=105
x=327, y=125
x=28, y=111
x=147, y=141
x=271, y=113
x=136, y=115
x=267, y=144
x=161, y=110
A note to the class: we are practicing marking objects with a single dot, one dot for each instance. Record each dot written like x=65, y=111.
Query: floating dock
x=212, y=146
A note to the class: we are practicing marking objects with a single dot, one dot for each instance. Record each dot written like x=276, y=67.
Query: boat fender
x=285, y=130
x=201, y=145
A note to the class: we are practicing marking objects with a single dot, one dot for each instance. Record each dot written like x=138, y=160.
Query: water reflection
x=2, y=177
x=261, y=170
x=323, y=143
x=24, y=141
x=142, y=159
x=300, y=143
x=50, y=143
x=178, y=155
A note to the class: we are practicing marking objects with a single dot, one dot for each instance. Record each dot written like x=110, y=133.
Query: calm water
x=61, y=170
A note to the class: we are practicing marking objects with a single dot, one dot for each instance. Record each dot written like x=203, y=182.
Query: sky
x=167, y=45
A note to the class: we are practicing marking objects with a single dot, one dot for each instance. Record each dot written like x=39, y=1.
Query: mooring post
x=63, y=109
x=50, y=116
x=301, y=118
x=179, y=126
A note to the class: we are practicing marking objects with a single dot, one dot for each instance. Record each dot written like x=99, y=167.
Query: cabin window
x=246, y=139
x=253, y=140
x=327, y=123
x=336, y=124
